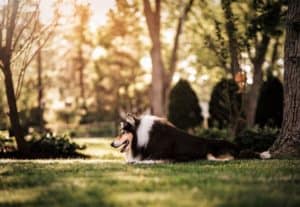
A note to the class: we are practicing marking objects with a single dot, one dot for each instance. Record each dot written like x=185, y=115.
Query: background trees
x=162, y=77
x=18, y=47
x=120, y=78
x=89, y=72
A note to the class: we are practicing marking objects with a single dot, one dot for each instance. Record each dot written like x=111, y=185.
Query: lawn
x=105, y=180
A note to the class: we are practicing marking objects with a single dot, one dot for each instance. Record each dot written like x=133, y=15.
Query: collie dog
x=151, y=139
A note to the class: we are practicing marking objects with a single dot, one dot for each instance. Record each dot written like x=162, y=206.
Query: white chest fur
x=143, y=130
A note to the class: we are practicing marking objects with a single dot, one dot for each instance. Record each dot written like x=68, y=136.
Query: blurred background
x=78, y=66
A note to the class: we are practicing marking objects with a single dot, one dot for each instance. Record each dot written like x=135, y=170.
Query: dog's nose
x=112, y=144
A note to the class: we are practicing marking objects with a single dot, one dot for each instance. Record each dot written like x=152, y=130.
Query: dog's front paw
x=131, y=162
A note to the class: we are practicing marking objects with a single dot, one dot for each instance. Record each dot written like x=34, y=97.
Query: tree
x=270, y=103
x=184, y=110
x=119, y=84
x=40, y=85
x=262, y=20
x=83, y=14
x=264, y=24
x=225, y=105
x=288, y=142
x=3, y=115
x=18, y=47
x=161, y=78
x=232, y=37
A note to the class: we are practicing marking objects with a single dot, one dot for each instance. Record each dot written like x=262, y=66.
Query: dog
x=151, y=139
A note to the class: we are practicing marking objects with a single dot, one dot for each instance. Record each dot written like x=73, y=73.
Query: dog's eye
x=122, y=131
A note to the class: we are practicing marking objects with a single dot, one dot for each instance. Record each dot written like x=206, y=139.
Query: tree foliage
x=120, y=77
x=225, y=104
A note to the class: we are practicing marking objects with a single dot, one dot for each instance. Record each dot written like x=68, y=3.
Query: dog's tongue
x=123, y=148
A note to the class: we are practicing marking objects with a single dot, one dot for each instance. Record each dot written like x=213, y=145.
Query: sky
x=99, y=9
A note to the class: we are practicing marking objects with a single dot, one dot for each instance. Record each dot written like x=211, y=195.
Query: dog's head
x=127, y=131
x=124, y=140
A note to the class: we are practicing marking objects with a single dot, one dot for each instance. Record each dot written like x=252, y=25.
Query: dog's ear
x=122, y=127
x=131, y=119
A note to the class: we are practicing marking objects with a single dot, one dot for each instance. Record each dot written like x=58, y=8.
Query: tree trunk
x=232, y=39
x=80, y=65
x=40, y=89
x=288, y=142
x=161, y=79
x=274, y=58
x=13, y=111
x=157, y=87
x=253, y=95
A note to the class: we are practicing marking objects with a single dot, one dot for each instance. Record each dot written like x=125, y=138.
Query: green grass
x=106, y=181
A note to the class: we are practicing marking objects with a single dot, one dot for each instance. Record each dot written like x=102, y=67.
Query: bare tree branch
x=27, y=62
x=11, y=26
x=28, y=22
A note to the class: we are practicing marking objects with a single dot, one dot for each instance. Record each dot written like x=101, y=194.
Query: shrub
x=96, y=129
x=7, y=144
x=89, y=117
x=30, y=118
x=50, y=145
x=92, y=116
x=213, y=133
x=257, y=139
x=67, y=115
x=184, y=109
x=225, y=104
x=270, y=104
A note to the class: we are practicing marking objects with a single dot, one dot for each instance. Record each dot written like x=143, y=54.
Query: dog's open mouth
x=124, y=146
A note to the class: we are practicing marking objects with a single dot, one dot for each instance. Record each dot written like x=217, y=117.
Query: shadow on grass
x=34, y=185
x=238, y=183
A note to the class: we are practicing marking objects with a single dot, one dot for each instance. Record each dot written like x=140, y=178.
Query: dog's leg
x=151, y=162
x=265, y=155
x=225, y=157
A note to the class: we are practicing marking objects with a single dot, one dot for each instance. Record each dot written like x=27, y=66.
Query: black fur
x=169, y=143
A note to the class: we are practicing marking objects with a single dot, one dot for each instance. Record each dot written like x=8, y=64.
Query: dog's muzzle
x=117, y=145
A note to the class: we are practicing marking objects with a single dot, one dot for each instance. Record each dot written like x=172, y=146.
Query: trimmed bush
x=257, y=139
x=225, y=104
x=49, y=145
x=270, y=104
x=184, y=109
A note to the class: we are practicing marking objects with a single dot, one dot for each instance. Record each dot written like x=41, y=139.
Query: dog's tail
x=250, y=154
